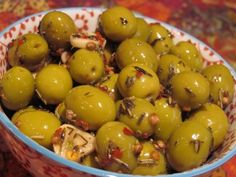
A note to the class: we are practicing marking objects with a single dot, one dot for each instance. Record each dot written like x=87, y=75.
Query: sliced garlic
x=72, y=143
x=90, y=41
x=65, y=56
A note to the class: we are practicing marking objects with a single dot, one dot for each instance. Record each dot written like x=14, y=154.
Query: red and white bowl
x=40, y=161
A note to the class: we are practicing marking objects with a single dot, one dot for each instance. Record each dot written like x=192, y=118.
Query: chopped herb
x=76, y=35
x=181, y=63
x=176, y=143
x=159, y=70
x=151, y=100
x=88, y=94
x=126, y=106
x=156, y=40
x=189, y=92
x=141, y=117
x=104, y=79
x=129, y=81
x=172, y=72
x=122, y=163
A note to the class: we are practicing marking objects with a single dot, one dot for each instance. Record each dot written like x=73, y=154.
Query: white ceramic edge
x=49, y=154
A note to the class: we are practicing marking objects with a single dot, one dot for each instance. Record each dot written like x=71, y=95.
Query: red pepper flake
x=57, y=136
x=20, y=42
x=82, y=124
x=128, y=132
x=58, y=132
x=99, y=37
x=117, y=153
x=139, y=74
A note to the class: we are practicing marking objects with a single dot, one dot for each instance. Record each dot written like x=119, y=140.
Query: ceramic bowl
x=41, y=162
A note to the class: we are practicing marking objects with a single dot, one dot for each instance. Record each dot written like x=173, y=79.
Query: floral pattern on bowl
x=42, y=162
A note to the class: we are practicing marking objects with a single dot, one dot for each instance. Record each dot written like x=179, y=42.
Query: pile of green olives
x=139, y=104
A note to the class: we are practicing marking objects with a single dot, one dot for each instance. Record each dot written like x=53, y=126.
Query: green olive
x=138, y=80
x=28, y=50
x=19, y=112
x=86, y=66
x=158, y=32
x=57, y=27
x=170, y=65
x=169, y=118
x=189, y=54
x=150, y=161
x=17, y=88
x=138, y=114
x=160, y=38
x=53, y=82
x=213, y=117
x=190, y=89
x=89, y=105
x=38, y=125
x=115, y=147
x=136, y=51
x=118, y=23
x=108, y=84
x=189, y=146
x=143, y=30
x=162, y=46
x=221, y=84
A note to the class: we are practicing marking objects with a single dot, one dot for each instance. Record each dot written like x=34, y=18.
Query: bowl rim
x=8, y=125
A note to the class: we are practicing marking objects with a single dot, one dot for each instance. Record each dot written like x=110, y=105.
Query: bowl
x=40, y=161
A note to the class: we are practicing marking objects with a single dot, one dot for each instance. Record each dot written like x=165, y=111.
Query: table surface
x=212, y=21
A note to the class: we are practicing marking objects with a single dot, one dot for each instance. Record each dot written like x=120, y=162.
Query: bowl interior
x=86, y=19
